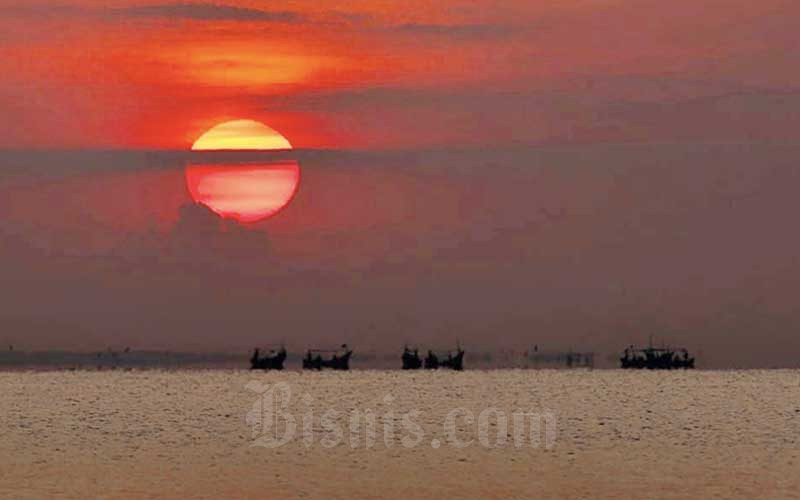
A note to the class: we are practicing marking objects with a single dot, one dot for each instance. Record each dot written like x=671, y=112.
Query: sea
x=368, y=434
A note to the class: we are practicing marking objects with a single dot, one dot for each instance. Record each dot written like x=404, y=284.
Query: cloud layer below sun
x=378, y=74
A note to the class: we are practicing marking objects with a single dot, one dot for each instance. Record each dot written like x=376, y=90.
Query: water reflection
x=244, y=192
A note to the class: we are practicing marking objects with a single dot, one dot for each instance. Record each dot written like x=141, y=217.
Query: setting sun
x=241, y=135
x=246, y=193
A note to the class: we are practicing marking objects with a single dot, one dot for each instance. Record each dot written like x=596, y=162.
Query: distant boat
x=339, y=361
x=454, y=362
x=653, y=358
x=411, y=359
x=268, y=362
x=560, y=359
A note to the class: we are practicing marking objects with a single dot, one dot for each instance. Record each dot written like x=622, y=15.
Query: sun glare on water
x=242, y=135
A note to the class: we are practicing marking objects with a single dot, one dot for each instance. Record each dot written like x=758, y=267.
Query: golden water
x=186, y=434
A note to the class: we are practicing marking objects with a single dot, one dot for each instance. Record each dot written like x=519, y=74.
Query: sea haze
x=587, y=248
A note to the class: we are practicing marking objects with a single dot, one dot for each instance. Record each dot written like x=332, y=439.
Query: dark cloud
x=201, y=11
x=352, y=18
x=173, y=11
x=209, y=12
x=40, y=11
x=746, y=116
x=469, y=31
x=621, y=109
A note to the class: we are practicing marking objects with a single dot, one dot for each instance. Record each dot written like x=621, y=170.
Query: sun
x=241, y=135
x=244, y=192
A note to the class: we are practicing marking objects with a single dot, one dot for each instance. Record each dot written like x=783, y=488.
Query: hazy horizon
x=590, y=248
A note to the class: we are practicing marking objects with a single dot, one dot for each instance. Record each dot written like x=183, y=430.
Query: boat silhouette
x=654, y=358
x=452, y=361
x=411, y=359
x=340, y=360
x=272, y=361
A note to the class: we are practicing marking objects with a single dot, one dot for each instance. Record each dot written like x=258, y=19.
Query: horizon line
x=396, y=150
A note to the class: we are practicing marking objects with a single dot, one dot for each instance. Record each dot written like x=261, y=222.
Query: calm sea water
x=196, y=434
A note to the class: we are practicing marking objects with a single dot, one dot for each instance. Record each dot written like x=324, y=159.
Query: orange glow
x=241, y=135
x=378, y=74
x=246, y=193
x=243, y=64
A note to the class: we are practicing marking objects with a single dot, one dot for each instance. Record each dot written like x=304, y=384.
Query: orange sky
x=379, y=74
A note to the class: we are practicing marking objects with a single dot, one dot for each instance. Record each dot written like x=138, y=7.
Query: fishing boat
x=272, y=361
x=454, y=360
x=654, y=358
x=411, y=359
x=340, y=360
